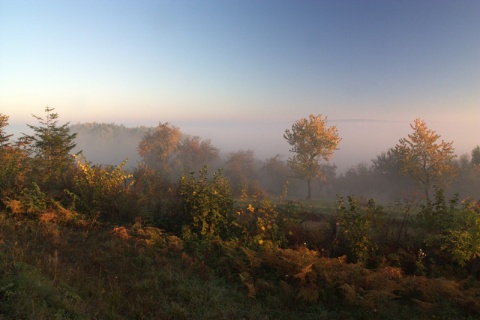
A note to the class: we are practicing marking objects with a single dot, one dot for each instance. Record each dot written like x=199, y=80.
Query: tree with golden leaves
x=424, y=159
x=158, y=147
x=311, y=141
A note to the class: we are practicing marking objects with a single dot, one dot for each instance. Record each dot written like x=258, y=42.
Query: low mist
x=353, y=171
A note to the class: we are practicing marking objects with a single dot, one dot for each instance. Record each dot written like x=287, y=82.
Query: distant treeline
x=111, y=144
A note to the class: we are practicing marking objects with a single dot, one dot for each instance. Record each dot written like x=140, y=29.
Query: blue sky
x=241, y=72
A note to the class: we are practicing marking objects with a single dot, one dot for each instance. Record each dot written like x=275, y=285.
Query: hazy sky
x=241, y=72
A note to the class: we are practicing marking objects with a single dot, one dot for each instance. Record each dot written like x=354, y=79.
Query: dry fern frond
x=49, y=216
x=121, y=233
x=175, y=243
x=65, y=214
x=306, y=270
x=15, y=206
x=392, y=273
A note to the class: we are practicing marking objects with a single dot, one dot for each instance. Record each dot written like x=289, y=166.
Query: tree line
x=411, y=168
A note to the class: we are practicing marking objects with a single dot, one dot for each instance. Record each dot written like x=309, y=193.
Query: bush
x=206, y=205
x=97, y=189
x=264, y=222
x=356, y=229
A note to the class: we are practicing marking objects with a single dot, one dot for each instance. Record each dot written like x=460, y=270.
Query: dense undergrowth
x=265, y=262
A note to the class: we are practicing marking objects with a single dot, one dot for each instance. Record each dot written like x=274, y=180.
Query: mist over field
x=362, y=139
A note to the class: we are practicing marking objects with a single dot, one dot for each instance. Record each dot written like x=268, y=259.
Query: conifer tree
x=50, y=145
x=4, y=137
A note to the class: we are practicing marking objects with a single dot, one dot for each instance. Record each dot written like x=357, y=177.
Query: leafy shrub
x=356, y=228
x=31, y=200
x=264, y=222
x=97, y=189
x=206, y=205
x=13, y=170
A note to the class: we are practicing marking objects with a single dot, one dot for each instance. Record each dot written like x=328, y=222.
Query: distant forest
x=111, y=144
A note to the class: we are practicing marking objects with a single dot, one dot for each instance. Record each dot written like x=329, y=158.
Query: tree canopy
x=312, y=141
x=166, y=149
x=424, y=159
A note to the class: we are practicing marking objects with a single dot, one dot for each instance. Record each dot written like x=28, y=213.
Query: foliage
x=193, y=153
x=97, y=189
x=264, y=223
x=31, y=200
x=463, y=240
x=4, y=137
x=421, y=157
x=275, y=172
x=166, y=151
x=476, y=156
x=157, y=148
x=241, y=170
x=13, y=171
x=13, y=160
x=206, y=205
x=452, y=232
x=311, y=141
x=356, y=227
x=51, y=145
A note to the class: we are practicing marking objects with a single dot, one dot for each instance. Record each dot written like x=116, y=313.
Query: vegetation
x=311, y=141
x=110, y=243
x=423, y=159
x=166, y=151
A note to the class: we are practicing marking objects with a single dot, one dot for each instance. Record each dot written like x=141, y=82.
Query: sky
x=241, y=72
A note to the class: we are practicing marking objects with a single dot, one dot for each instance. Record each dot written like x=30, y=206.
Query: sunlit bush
x=264, y=222
x=98, y=189
x=206, y=205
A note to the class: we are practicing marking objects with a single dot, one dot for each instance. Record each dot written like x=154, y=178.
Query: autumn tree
x=424, y=159
x=157, y=148
x=241, y=170
x=275, y=174
x=194, y=153
x=13, y=166
x=50, y=145
x=476, y=156
x=311, y=141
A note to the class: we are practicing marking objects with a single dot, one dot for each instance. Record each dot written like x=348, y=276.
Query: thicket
x=102, y=242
